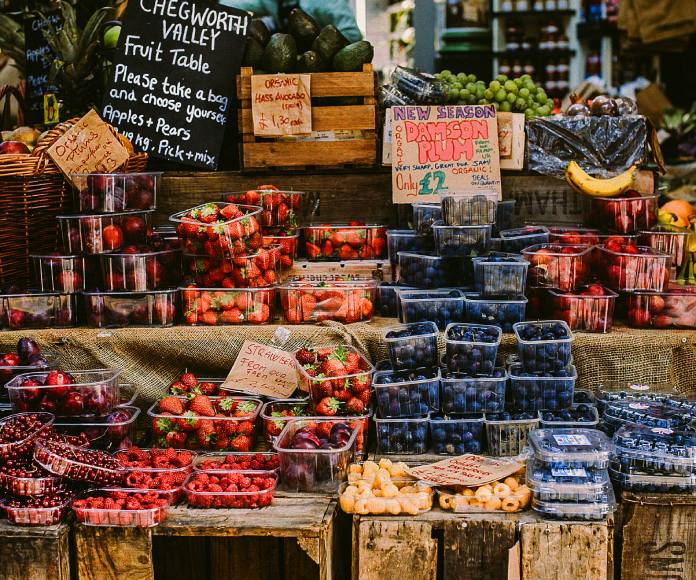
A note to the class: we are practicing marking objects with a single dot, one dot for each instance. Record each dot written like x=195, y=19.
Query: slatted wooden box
x=361, y=151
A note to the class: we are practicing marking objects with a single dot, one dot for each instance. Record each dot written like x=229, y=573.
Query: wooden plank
x=338, y=118
x=565, y=551
x=113, y=553
x=333, y=84
x=287, y=517
x=659, y=536
x=249, y=558
x=297, y=564
x=478, y=548
x=34, y=553
x=274, y=154
x=395, y=550
x=180, y=558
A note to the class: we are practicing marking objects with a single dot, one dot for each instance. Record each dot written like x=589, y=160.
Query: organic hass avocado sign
x=173, y=76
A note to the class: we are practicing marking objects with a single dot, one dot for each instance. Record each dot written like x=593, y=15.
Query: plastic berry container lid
x=588, y=446
x=515, y=418
x=221, y=457
x=669, y=448
x=574, y=484
x=140, y=518
x=15, y=449
x=611, y=392
x=650, y=413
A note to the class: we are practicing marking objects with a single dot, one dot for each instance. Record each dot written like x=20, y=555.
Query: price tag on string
x=262, y=369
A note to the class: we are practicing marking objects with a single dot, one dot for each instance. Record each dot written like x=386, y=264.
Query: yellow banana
x=583, y=183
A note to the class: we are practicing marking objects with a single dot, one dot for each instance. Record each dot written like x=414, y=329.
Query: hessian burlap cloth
x=151, y=358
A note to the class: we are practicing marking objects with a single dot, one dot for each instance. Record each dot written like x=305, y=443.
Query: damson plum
x=305, y=440
x=27, y=348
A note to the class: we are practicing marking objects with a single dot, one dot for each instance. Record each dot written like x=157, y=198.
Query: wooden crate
x=293, y=538
x=273, y=154
x=40, y=553
x=440, y=544
x=657, y=536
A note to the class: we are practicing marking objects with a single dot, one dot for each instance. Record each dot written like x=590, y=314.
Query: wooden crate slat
x=304, y=153
x=287, y=517
x=478, y=548
x=249, y=558
x=338, y=118
x=394, y=550
x=113, y=553
x=330, y=84
x=659, y=536
x=565, y=551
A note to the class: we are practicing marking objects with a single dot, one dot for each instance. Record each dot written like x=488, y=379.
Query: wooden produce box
x=263, y=153
x=34, y=553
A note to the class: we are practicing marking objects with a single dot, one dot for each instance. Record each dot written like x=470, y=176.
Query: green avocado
x=253, y=56
x=310, y=62
x=303, y=27
x=280, y=54
x=352, y=57
x=329, y=42
x=259, y=31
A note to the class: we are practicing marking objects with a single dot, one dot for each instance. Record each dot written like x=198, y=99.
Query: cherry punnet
x=78, y=463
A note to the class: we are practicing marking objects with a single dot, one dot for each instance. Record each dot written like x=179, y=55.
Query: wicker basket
x=33, y=192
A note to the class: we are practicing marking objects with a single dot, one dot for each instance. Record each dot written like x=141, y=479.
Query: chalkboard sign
x=173, y=77
x=39, y=58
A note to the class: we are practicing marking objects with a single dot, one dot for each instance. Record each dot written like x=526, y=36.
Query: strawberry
x=365, y=396
x=189, y=379
x=206, y=434
x=342, y=395
x=305, y=356
x=227, y=405
x=244, y=409
x=355, y=406
x=206, y=388
x=325, y=388
x=352, y=362
x=175, y=439
x=324, y=353
x=332, y=367
x=171, y=405
x=360, y=383
x=209, y=317
x=324, y=429
x=178, y=388
x=328, y=406
x=313, y=251
x=327, y=249
x=207, y=213
x=202, y=405
x=233, y=316
x=242, y=443
x=245, y=428
x=189, y=421
x=345, y=252
x=162, y=425
x=231, y=211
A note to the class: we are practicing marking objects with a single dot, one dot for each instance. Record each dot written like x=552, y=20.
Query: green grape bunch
x=518, y=95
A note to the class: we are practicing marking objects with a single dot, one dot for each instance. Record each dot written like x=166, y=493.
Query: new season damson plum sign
x=173, y=77
x=444, y=149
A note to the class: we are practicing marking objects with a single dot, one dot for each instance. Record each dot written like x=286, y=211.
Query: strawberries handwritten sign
x=281, y=105
x=88, y=146
x=469, y=470
x=444, y=149
x=263, y=369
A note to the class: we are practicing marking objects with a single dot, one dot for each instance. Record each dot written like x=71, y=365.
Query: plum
x=27, y=348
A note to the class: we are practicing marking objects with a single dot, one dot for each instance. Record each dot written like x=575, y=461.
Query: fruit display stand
x=358, y=150
x=294, y=537
x=36, y=553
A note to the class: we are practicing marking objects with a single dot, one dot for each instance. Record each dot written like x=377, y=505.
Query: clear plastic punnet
x=571, y=447
x=567, y=484
x=580, y=510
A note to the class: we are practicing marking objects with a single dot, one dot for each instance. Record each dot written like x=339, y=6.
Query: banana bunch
x=12, y=40
x=585, y=184
x=76, y=66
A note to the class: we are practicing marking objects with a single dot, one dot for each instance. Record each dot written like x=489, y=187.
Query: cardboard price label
x=281, y=105
x=470, y=470
x=263, y=369
x=444, y=149
x=88, y=146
